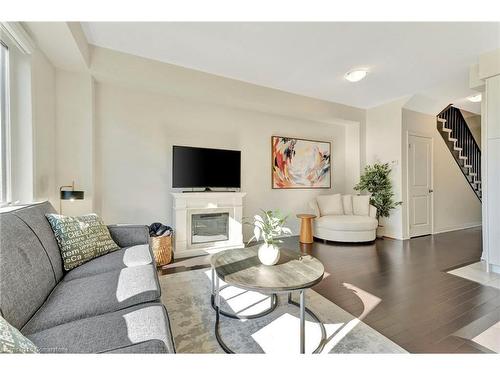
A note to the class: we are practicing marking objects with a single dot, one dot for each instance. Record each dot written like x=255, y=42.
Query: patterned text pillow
x=12, y=341
x=81, y=238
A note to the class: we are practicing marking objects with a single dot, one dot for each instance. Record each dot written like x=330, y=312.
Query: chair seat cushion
x=94, y=295
x=129, y=331
x=138, y=255
x=346, y=222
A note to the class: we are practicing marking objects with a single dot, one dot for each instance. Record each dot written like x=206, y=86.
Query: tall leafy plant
x=376, y=181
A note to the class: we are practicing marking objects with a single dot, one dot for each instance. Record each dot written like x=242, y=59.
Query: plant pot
x=380, y=231
x=269, y=255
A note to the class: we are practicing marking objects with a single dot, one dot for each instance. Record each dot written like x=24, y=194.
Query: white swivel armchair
x=344, y=218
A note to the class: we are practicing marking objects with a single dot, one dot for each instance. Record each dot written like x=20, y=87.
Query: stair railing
x=465, y=140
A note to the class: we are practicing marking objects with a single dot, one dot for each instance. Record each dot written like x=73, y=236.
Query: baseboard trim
x=458, y=227
x=494, y=268
x=391, y=237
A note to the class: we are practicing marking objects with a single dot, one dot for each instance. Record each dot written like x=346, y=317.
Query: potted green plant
x=376, y=181
x=269, y=227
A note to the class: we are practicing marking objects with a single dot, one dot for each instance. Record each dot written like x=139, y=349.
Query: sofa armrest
x=314, y=206
x=129, y=235
x=373, y=211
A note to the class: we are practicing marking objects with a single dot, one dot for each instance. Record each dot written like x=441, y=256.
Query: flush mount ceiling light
x=475, y=98
x=356, y=75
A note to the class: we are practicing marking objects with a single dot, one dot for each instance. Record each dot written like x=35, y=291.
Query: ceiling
x=311, y=58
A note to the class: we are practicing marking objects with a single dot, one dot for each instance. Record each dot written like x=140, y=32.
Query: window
x=4, y=122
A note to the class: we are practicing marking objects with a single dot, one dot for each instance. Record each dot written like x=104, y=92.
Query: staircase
x=462, y=145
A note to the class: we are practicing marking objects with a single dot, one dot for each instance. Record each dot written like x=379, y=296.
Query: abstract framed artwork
x=300, y=163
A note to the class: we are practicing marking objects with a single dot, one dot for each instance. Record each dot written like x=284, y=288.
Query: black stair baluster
x=460, y=131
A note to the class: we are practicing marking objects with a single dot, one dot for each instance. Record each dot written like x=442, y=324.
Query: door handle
x=431, y=191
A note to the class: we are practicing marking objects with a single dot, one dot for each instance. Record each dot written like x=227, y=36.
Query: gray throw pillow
x=81, y=238
x=12, y=341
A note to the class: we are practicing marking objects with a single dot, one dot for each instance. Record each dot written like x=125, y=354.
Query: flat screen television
x=194, y=167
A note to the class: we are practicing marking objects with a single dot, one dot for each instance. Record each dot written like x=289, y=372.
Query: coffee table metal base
x=215, y=301
x=274, y=304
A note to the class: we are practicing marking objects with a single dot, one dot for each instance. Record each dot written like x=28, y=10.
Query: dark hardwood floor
x=401, y=289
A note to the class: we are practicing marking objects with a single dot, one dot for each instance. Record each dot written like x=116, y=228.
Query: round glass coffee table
x=295, y=272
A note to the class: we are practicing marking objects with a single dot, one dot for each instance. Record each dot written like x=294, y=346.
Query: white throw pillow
x=314, y=205
x=347, y=203
x=361, y=205
x=330, y=204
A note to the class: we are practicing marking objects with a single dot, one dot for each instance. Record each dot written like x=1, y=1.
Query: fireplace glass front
x=210, y=227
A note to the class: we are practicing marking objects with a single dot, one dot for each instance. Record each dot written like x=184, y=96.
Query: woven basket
x=162, y=249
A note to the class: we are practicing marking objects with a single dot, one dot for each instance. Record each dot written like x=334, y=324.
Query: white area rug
x=187, y=298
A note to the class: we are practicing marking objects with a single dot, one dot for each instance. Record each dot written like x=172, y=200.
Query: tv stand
x=208, y=190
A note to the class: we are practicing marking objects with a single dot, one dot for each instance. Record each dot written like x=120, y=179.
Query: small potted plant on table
x=269, y=227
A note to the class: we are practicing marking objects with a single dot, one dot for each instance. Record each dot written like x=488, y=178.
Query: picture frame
x=299, y=163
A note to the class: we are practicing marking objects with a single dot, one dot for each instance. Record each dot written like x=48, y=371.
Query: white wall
x=43, y=77
x=149, y=75
x=491, y=174
x=353, y=157
x=485, y=77
x=74, y=138
x=114, y=136
x=383, y=144
x=455, y=204
x=114, y=139
x=136, y=131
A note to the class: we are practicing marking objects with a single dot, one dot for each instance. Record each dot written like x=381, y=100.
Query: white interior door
x=420, y=185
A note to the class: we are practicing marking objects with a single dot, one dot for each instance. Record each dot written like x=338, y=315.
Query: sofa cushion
x=330, y=204
x=361, y=205
x=112, y=331
x=347, y=204
x=94, y=295
x=34, y=217
x=81, y=238
x=126, y=235
x=12, y=341
x=346, y=222
x=26, y=274
x=129, y=257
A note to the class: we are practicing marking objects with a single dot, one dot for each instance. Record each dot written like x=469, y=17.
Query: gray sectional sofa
x=110, y=304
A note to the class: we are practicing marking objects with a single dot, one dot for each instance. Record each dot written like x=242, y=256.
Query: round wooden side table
x=306, y=235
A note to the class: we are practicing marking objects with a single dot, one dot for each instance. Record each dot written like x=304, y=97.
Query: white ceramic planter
x=380, y=231
x=269, y=255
